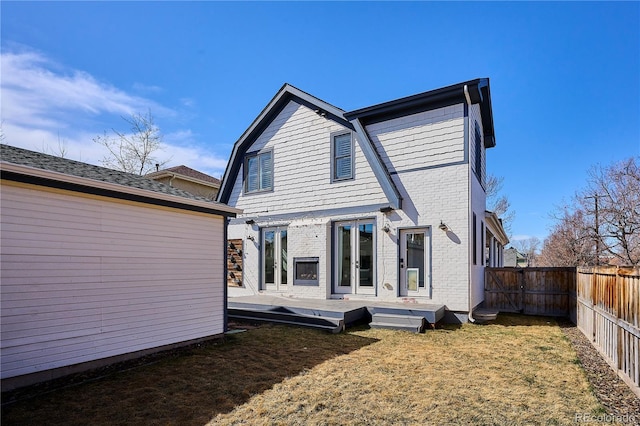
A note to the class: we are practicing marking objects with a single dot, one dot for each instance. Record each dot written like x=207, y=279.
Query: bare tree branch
x=604, y=226
x=133, y=152
x=499, y=204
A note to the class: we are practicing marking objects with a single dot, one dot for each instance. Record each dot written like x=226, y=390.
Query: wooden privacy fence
x=532, y=291
x=608, y=313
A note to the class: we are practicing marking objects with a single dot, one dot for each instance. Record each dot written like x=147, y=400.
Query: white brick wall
x=421, y=149
x=478, y=203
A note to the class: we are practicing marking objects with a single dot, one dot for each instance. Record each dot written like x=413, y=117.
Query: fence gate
x=532, y=291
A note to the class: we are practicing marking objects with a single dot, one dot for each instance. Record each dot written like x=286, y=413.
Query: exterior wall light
x=443, y=226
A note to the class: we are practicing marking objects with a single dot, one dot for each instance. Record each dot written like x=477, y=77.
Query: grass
x=518, y=370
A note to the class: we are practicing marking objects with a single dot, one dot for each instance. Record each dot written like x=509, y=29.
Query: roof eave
x=11, y=171
x=445, y=96
x=496, y=224
x=163, y=173
x=286, y=93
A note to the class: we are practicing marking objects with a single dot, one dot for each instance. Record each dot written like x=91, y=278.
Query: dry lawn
x=519, y=370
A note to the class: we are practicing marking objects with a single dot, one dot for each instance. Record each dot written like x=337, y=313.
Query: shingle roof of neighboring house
x=15, y=155
x=185, y=171
x=98, y=180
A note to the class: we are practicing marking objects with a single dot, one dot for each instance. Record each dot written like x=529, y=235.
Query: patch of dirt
x=612, y=392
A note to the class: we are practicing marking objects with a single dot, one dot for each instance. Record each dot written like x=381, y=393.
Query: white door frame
x=357, y=264
x=410, y=266
x=279, y=280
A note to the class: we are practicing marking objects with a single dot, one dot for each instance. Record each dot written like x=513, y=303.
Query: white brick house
x=382, y=203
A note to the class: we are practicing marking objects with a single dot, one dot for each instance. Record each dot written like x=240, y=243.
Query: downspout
x=173, y=176
x=470, y=249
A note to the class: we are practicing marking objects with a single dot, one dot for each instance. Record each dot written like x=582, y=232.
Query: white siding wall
x=301, y=142
x=86, y=278
x=431, y=138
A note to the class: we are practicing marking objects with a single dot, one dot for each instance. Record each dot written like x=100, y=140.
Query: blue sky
x=565, y=77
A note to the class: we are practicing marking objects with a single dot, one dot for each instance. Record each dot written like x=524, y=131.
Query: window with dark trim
x=258, y=172
x=478, y=152
x=341, y=157
x=475, y=241
x=482, y=262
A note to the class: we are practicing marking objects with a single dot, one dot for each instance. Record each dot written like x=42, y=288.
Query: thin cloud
x=33, y=86
x=185, y=150
x=49, y=108
x=140, y=87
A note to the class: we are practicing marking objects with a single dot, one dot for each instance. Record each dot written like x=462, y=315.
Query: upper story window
x=258, y=172
x=478, y=155
x=341, y=156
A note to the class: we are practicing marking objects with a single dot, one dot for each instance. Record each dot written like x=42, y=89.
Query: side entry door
x=415, y=262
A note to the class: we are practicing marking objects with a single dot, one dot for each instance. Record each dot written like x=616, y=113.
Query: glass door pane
x=283, y=257
x=366, y=255
x=415, y=256
x=344, y=256
x=269, y=257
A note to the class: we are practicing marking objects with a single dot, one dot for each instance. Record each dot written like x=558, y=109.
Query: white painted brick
x=428, y=152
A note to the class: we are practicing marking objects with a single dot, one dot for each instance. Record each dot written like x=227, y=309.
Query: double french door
x=274, y=258
x=355, y=259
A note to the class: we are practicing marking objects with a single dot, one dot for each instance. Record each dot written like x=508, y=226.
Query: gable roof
x=473, y=91
x=185, y=172
x=286, y=94
x=32, y=167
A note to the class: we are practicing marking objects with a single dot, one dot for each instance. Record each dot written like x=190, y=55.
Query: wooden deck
x=332, y=314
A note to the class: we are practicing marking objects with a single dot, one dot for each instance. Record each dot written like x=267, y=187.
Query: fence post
x=521, y=282
x=618, y=312
x=594, y=288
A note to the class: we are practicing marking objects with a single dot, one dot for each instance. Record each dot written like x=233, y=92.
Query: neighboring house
x=514, y=259
x=188, y=179
x=100, y=265
x=384, y=203
x=496, y=239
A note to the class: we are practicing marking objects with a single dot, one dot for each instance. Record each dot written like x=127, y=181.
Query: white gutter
x=470, y=250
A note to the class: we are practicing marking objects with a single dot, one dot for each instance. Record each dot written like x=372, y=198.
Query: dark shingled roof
x=11, y=154
x=189, y=172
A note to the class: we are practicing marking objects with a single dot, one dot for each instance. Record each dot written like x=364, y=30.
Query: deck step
x=485, y=315
x=333, y=325
x=432, y=313
x=412, y=323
